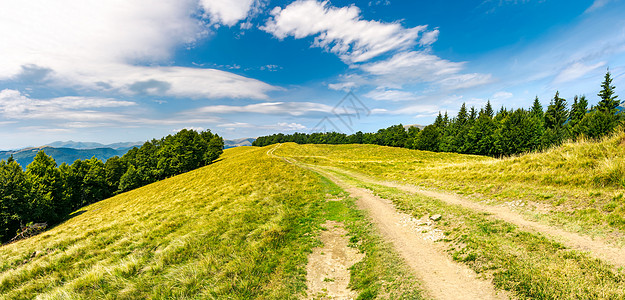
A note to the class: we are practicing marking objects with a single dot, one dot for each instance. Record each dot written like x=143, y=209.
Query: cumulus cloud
x=107, y=45
x=343, y=31
x=228, y=12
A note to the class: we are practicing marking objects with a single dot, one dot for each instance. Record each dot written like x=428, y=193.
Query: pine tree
x=488, y=109
x=578, y=111
x=556, y=114
x=609, y=101
x=439, y=122
x=537, y=109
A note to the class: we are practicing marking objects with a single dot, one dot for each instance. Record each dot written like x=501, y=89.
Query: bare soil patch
x=328, y=266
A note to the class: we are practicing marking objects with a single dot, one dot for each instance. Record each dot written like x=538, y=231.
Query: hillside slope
x=240, y=228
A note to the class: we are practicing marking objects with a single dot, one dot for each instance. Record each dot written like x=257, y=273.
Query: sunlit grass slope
x=240, y=228
x=230, y=229
x=581, y=183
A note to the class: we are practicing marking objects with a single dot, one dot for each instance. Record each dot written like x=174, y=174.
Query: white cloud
x=342, y=30
x=343, y=86
x=465, y=81
x=576, y=70
x=281, y=126
x=198, y=129
x=277, y=108
x=502, y=95
x=391, y=95
x=171, y=81
x=418, y=109
x=227, y=12
x=429, y=38
x=417, y=65
x=15, y=105
x=84, y=112
x=597, y=4
x=101, y=45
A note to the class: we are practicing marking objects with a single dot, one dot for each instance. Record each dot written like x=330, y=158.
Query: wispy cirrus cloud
x=281, y=126
x=275, y=108
x=576, y=70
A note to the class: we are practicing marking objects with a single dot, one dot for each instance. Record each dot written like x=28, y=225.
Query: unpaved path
x=596, y=247
x=440, y=275
x=327, y=272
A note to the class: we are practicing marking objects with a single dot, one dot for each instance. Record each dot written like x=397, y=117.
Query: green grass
x=578, y=186
x=241, y=228
x=527, y=264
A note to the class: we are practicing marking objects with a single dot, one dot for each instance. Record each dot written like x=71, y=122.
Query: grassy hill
x=580, y=184
x=577, y=188
x=61, y=155
x=240, y=228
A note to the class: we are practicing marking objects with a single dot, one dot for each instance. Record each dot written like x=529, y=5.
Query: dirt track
x=440, y=275
x=596, y=247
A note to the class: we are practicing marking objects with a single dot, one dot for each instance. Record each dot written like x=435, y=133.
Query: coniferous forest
x=486, y=132
x=48, y=193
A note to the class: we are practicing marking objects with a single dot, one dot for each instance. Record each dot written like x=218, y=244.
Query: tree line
x=48, y=193
x=486, y=132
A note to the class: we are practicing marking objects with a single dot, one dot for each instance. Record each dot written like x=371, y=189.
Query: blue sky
x=110, y=71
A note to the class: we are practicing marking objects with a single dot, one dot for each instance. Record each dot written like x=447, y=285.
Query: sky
x=117, y=70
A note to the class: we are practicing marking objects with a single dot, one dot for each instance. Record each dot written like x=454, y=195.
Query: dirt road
x=440, y=275
x=596, y=247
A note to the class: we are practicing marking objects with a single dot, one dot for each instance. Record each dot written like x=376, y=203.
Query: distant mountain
x=93, y=145
x=61, y=155
x=69, y=151
x=414, y=125
x=238, y=142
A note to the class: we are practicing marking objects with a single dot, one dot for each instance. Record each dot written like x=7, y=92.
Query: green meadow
x=240, y=228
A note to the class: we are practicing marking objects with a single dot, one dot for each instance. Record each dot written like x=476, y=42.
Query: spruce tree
x=609, y=101
x=537, y=109
x=439, y=122
x=556, y=114
x=578, y=111
x=488, y=109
